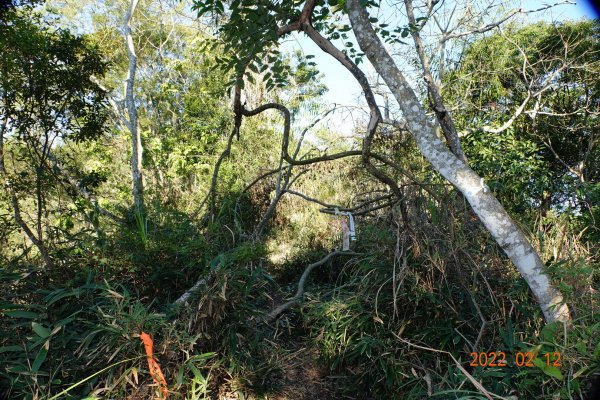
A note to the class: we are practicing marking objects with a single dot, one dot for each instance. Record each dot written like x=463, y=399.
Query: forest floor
x=300, y=378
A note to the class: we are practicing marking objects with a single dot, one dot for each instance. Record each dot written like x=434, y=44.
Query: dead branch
x=286, y=176
x=375, y=113
x=302, y=281
x=330, y=208
x=183, y=299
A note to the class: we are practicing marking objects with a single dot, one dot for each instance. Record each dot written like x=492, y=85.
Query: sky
x=344, y=89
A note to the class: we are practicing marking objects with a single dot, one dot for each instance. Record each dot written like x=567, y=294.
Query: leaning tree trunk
x=495, y=218
x=132, y=121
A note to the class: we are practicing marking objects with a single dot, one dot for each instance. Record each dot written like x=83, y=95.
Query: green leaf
x=179, y=376
x=539, y=363
x=200, y=357
x=40, y=330
x=18, y=368
x=217, y=261
x=252, y=67
x=549, y=331
x=60, y=294
x=39, y=359
x=21, y=314
x=553, y=371
x=496, y=373
x=549, y=370
x=5, y=349
x=195, y=371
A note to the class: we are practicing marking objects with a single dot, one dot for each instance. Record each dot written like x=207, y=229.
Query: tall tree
x=132, y=120
x=497, y=221
x=253, y=31
x=538, y=96
x=46, y=100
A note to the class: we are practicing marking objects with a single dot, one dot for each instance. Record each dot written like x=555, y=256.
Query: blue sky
x=343, y=87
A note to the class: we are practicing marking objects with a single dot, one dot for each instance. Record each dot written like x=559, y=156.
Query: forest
x=299, y=199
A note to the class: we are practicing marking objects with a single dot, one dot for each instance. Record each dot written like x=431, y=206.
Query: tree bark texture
x=132, y=120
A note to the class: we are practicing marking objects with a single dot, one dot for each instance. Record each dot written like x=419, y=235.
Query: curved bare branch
x=302, y=281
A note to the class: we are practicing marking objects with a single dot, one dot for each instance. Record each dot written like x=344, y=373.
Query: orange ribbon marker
x=153, y=366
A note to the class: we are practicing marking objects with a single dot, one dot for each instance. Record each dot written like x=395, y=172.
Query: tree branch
x=490, y=26
x=302, y=281
x=441, y=113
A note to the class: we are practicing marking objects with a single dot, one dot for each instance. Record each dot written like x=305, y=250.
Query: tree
x=132, y=120
x=536, y=103
x=252, y=32
x=46, y=100
x=497, y=221
x=177, y=130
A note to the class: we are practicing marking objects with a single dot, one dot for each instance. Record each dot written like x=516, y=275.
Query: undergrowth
x=399, y=320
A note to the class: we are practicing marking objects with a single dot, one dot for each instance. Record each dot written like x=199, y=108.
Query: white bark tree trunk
x=495, y=218
x=132, y=120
